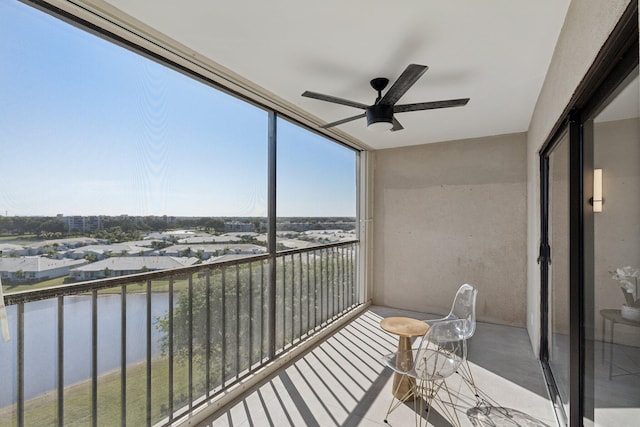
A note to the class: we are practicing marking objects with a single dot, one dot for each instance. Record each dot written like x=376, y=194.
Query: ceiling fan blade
x=334, y=99
x=430, y=105
x=396, y=125
x=409, y=76
x=339, y=122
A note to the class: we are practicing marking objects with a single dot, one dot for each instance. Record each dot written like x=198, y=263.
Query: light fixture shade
x=597, y=190
x=380, y=126
x=380, y=117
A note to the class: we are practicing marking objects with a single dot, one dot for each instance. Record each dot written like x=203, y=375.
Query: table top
x=616, y=316
x=404, y=326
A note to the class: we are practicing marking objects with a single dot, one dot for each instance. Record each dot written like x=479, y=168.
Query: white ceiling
x=495, y=52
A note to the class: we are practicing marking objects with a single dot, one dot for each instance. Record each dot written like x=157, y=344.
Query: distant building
x=329, y=236
x=306, y=226
x=9, y=249
x=32, y=268
x=142, y=243
x=209, y=239
x=242, y=234
x=170, y=236
x=83, y=224
x=57, y=245
x=169, y=219
x=233, y=226
x=122, y=266
x=102, y=251
x=206, y=251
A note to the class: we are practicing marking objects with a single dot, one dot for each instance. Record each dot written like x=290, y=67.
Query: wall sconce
x=597, y=200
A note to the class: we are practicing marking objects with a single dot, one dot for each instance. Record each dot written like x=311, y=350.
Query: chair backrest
x=442, y=349
x=464, y=307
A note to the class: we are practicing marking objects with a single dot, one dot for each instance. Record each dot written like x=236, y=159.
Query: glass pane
x=559, y=268
x=127, y=158
x=113, y=164
x=316, y=205
x=617, y=262
x=316, y=185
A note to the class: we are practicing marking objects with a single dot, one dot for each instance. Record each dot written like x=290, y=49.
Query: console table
x=614, y=316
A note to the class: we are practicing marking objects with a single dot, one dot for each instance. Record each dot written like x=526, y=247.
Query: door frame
x=615, y=62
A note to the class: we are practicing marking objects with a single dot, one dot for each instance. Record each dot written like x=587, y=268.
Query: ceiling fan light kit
x=380, y=117
x=380, y=114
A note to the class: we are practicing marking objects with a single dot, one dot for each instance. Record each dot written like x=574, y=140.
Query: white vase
x=630, y=313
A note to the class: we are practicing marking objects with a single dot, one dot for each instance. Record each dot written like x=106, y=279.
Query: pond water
x=41, y=336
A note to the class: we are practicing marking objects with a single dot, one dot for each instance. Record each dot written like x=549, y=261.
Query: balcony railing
x=150, y=348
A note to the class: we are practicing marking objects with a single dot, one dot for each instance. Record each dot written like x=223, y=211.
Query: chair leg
x=436, y=392
x=449, y=409
x=395, y=402
x=467, y=376
x=429, y=401
x=420, y=395
x=420, y=400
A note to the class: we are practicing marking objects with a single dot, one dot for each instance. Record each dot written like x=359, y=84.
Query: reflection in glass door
x=558, y=276
x=617, y=250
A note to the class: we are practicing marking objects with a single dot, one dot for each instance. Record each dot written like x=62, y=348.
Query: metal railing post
x=94, y=358
x=123, y=356
x=20, y=349
x=60, y=361
x=170, y=333
x=271, y=237
x=148, y=345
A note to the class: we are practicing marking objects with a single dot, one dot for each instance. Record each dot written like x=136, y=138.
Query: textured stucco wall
x=450, y=213
x=587, y=26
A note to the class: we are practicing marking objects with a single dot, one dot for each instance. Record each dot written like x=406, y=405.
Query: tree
x=238, y=292
x=214, y=224
x=160, y=244
x=52, y=226
x=219, y=329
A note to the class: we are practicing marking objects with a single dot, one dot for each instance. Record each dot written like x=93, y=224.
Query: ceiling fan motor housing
x=379, y=113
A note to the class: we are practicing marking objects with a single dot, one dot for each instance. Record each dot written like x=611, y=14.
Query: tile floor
x=342, y=382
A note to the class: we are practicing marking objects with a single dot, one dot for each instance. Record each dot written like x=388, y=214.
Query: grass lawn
x=17, y=240
x=42, y=410
x=156, y=286
x=46, y=284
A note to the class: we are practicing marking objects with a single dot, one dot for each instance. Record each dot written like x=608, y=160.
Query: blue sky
x=87, y=128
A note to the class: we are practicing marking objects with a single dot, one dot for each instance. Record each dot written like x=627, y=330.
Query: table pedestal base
x=403, y=384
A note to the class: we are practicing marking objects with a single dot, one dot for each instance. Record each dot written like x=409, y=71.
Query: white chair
x=441, y=351
x=463, y=307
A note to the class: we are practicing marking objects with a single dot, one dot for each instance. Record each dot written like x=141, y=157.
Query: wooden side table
x=405, y=328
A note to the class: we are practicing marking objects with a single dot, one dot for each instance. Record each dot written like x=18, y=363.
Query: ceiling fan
x=380, y=114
